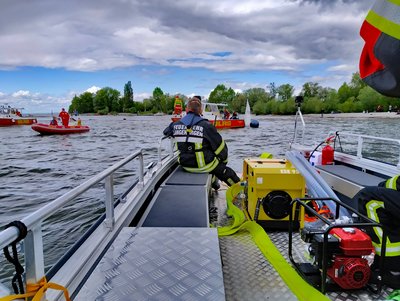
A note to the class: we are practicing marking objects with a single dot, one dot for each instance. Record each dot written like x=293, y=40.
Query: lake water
x=37, y=169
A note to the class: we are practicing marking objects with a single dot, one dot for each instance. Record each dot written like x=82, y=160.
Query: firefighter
x=201, y=147
x=380, y=57
x=379, y=68
x=64, y=117
x=382, y=204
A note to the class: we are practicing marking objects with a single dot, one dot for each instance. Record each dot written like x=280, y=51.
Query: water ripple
x=38, y=169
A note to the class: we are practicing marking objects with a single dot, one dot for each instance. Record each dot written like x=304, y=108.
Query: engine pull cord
x=19, y=269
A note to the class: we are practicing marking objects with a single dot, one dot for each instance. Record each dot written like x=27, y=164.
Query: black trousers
x=387, y=214
x=225, y=174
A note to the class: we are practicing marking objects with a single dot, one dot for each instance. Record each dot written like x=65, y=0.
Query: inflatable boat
x=46, y=129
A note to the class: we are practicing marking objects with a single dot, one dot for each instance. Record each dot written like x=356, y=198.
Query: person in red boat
x=64, y=117
x=54, y=121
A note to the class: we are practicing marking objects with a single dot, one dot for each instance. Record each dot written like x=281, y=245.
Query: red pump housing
x=349, y=270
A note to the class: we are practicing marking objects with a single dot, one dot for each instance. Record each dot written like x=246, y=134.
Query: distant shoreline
x=357, y=115
x=325, y=115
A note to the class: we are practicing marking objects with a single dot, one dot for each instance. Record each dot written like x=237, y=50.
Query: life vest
x=380, y=57
x=200, y=146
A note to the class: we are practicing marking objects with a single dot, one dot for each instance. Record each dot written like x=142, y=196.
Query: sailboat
x=250, y=122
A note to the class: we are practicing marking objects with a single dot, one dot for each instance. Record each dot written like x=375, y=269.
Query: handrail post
x=159, y=149
x=359, y=147
x=172, y=145
x=109, y=202
x=141, y=169
x=34, y=258
x=398, y=163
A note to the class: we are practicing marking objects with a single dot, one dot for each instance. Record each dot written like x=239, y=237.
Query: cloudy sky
x=52, y=49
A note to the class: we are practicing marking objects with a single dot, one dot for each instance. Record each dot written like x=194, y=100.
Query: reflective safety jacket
x=380, y=58
x=201, y=147
x=392, y=183
x=383, y=206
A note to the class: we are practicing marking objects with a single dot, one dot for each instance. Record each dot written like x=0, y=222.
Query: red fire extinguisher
x=327, y=152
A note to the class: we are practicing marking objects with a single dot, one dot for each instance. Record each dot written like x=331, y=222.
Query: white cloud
x=21, y=93
x=93, y=89
x=141, y=96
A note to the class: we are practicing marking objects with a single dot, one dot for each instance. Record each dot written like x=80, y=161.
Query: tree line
x=354, y=96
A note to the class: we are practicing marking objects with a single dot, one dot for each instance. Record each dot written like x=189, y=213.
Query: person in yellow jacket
x=201, y=147
x=382, y=204
x=380, y=69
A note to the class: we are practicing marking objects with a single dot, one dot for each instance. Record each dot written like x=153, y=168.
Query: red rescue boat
x=46, y=129
x=12, y=116
x=212, y=112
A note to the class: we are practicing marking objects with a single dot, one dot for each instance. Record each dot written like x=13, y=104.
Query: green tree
x=255, y=95
x=285, y=91
x=345, y=92
x=357, y=83
x=222, y=95
x=273, y=91
x=86, y=104
x=239, y=103
x=370, y=99
x=159, y=104
x=127, y=99
x=312, y=105
x=107, y=100
x=311, y=89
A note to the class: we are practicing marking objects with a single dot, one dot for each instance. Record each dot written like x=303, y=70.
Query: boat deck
x=193, y=263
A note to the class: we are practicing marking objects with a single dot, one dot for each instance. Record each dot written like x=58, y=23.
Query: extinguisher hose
x=328, y=139
x=308, y=159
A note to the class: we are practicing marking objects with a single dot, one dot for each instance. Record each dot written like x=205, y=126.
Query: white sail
x=247, y=116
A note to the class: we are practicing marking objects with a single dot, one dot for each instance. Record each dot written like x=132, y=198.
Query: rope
x=302, y=289
x=19, y=269
x=37, y=291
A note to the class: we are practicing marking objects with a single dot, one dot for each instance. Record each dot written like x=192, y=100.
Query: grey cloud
x=94, y=35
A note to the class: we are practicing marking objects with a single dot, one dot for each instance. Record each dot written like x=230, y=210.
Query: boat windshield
x=5, y=109
x=213, y=108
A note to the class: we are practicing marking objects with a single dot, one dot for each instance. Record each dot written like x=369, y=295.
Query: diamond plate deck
x=158, y=264
x=249, y=276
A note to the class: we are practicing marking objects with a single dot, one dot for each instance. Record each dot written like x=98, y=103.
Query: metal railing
x=33, y=242
x=360, y=139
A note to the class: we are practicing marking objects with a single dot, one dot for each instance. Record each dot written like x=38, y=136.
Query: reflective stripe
x=207, y=168
x=230, y=181
x=388, y=9
x=392, y=183
x=199, y=155
x=220, y=148
x=385, y=15
x=189, y=139
x=392, y=249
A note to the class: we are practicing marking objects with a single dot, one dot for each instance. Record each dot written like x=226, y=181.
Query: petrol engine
x=345, y=264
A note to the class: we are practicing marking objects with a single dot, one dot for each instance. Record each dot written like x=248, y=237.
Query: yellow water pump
x=272, y=184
